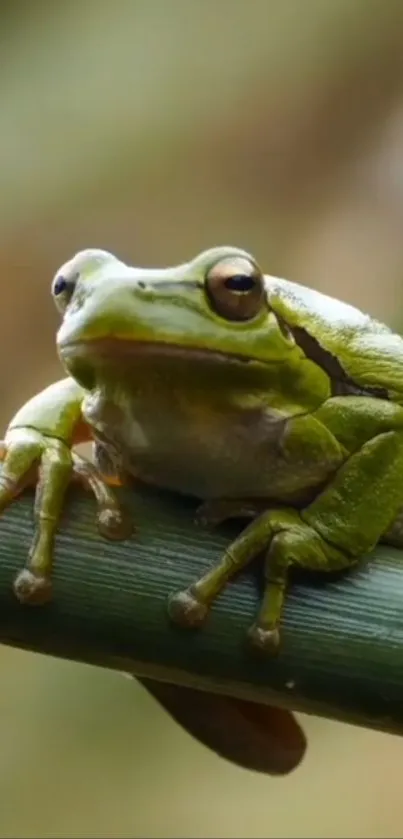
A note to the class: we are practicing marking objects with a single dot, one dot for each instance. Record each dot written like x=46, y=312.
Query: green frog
x=260, y=397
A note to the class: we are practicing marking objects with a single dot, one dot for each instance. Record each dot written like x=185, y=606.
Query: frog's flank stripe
x=342, y=383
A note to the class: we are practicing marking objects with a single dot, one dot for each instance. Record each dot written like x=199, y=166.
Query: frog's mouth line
x=119, y=348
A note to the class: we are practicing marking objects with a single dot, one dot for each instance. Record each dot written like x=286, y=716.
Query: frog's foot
x=187, y=610
x=33, y=588
x=30, y=457
x=214, y=512
x=113, y=522
x=265, y=640
x=287, y=540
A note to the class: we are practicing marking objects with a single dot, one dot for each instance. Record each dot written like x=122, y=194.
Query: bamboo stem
x=342, y=638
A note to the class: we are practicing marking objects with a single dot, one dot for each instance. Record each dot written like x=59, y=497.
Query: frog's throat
x=120, y=348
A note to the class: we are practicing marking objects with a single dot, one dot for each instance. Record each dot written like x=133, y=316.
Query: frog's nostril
x=142, y=284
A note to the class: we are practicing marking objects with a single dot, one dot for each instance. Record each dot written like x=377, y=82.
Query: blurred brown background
x=156, y=129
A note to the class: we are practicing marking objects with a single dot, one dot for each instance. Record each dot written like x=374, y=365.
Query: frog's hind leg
x=189, y=608
x=299, y=545
x=344, y=521
x=287, y=540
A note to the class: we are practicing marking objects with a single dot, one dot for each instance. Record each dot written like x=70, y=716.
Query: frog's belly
x=208, y=453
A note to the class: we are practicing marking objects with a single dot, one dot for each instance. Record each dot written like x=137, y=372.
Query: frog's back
x=369, y=353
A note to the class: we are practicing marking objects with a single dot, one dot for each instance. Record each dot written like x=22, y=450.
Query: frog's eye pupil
x=60, y=285
x=240, y=283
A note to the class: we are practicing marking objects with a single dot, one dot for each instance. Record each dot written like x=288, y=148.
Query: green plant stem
x=342, y=638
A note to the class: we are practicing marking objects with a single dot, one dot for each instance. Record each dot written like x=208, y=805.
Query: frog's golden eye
x=235, y=289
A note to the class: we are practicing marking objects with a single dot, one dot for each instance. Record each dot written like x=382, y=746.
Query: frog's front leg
x=345, y=521
x=37, y=449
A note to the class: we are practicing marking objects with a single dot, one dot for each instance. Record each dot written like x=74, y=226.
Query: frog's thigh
x=360, y=502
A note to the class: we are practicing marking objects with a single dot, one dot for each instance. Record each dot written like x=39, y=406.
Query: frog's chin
x=121, y=349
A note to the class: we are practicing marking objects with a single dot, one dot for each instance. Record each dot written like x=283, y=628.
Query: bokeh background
x=156, y=128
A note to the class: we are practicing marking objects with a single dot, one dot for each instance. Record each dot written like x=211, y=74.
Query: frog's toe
x=113, y=523
x=186, y=610
x=33, y=588
x=265, y=640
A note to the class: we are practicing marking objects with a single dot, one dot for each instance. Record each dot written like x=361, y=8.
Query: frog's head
x=213, y=308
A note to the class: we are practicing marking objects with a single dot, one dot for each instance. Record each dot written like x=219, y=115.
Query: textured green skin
x=235, y=413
